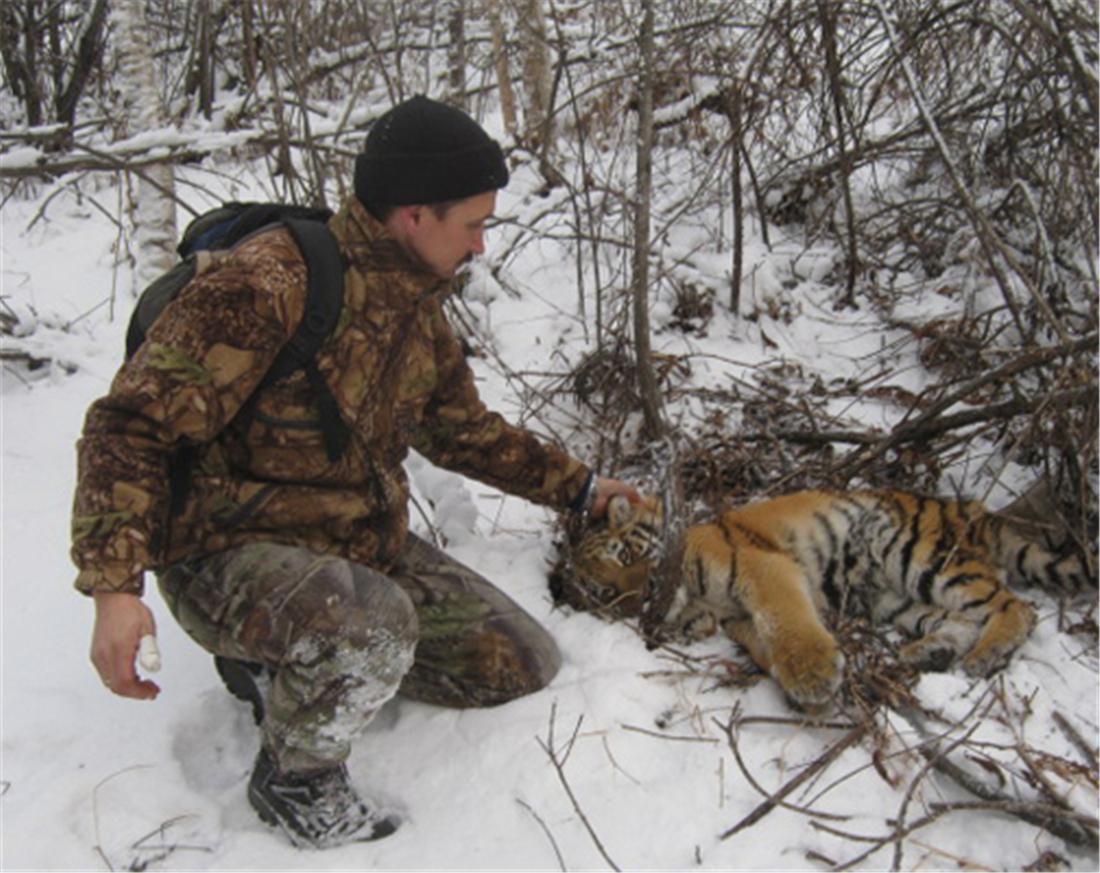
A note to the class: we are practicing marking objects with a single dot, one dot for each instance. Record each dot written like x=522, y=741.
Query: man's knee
x=515, y=664
x=544, y=657
x=353, y=610
x=499, y=663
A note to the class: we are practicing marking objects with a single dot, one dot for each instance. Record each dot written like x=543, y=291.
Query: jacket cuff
x=109, y=578
x=582, y=503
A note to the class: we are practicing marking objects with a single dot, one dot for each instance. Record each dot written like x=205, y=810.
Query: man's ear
x=407, y=218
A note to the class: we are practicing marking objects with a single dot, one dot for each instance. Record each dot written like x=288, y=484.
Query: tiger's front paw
x=692, y=623
x=810, y=673
x=699, y=627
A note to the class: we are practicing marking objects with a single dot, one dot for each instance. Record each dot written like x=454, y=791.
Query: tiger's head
x=607, y=566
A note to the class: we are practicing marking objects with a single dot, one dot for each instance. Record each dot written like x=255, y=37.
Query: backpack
x=223, y=227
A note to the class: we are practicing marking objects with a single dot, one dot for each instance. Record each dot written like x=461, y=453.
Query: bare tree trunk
x=153, y=196
x=19, y=28
x=89, y=49
x=249, y=59
x=53, y=31
x=647, y=381
x=456, y=53
x=536, y=74
x=827, y=13
x=737, y=133
x=22, y=32
x=504, y=74
x=202, y=70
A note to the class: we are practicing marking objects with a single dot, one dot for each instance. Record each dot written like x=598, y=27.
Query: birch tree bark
x=152, y=194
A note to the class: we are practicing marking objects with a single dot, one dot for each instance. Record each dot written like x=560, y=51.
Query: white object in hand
x=148, y=653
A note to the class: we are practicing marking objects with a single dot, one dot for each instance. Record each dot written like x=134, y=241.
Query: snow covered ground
x=647, y=779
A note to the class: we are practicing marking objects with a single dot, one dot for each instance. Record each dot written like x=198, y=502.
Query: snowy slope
x=642, y=739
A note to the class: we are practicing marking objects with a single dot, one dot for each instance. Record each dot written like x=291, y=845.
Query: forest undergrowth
x=924, y=174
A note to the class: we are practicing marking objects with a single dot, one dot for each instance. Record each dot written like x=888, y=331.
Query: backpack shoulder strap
x=324, y=296
x=324, y=303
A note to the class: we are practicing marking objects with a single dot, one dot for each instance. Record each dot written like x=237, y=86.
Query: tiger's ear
x=619, y=511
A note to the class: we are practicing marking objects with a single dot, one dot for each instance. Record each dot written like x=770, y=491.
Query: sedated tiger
x=768, y=572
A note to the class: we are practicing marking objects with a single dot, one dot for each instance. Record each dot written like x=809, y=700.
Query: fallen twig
x=559, y=768
x=1075, y=829
x=95, y=810
x=933, y=755
x=824, y=760
x=1029, y=811
x=959, y=861
x=899, y=753
x=673, y=737
x=614, y=763
x=794, y=722
x=162, y=850
x=1074, y=736
x=546, y=830
x=937, y=811
x=735, y=748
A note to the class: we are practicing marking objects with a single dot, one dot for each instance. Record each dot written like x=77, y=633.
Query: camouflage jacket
x=394, y=366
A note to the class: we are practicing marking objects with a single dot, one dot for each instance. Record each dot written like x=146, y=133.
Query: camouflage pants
x=341, y=639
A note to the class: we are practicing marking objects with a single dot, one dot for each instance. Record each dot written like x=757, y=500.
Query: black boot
x=243, y=680
x=320, y=810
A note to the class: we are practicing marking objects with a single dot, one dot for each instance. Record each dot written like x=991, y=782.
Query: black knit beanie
x=423, y=152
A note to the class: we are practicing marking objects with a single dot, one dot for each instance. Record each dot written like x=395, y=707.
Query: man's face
x=445, y=244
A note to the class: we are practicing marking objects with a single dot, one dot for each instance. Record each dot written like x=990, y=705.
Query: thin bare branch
x=558, y=762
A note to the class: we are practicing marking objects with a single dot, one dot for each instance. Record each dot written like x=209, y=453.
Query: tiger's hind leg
x=1009, y=623
x=940, y=636
x=972, y=616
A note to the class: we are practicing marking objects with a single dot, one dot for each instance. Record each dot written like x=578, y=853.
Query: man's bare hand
x=121, y=621
x=608, y=488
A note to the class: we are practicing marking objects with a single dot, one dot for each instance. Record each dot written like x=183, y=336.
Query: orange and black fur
x=769, y=572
